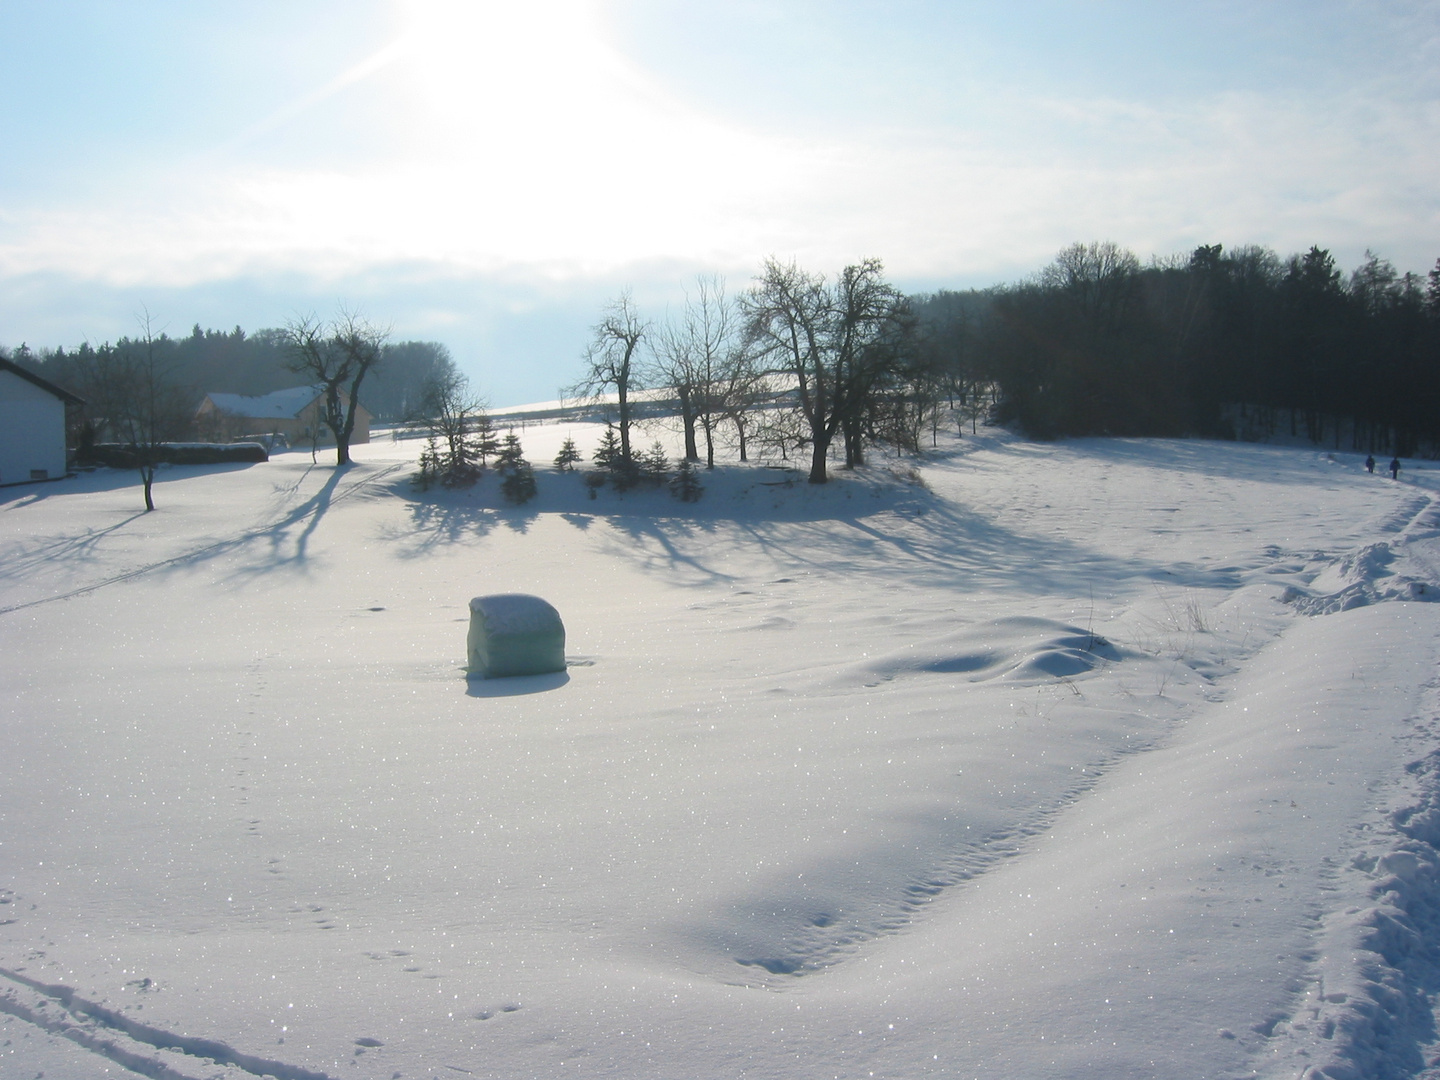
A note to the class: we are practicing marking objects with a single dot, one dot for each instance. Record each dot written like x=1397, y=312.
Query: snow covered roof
x=280, y=405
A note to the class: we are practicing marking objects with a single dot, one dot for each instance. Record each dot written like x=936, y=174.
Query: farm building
x=297, y=413
x=32, y=426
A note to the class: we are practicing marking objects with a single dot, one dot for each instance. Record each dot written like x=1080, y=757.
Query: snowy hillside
x=1097, y=759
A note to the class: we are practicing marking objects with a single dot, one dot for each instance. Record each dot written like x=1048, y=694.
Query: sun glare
x=531, y=137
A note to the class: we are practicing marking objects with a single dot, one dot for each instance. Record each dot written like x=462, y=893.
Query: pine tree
x=518, y=485
x=485, y=441
x=609, y=456
x=430, y=466
x=608, y=452
x=654, y=465
x=567, y=457
x=686, y=485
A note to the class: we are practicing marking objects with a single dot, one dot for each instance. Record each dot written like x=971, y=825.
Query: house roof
x=280, y=405
x=44, y=384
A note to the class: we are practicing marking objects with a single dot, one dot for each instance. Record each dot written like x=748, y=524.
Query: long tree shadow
x=663, y=542
x=308, y=515
x=436, y=525
x=953, y=548
x=873, y=524
x=81, y=548
x=310, y=512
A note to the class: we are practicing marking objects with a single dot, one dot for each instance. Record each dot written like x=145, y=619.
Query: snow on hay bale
x=514, y=634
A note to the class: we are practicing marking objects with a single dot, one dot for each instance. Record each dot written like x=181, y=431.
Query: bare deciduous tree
x=837, y=343
x=702, y=360
x=132, y=399
x=612, y=360
x=337, y=357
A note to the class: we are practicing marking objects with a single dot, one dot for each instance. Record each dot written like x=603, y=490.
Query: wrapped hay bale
x=514, y=634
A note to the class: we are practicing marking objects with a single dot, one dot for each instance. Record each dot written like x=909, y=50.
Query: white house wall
x=32, y=431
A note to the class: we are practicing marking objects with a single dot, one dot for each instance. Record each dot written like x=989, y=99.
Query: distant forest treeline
x=213, y=361
x=1239, y=344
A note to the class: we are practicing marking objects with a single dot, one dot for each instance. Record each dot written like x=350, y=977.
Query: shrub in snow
x=514, y=634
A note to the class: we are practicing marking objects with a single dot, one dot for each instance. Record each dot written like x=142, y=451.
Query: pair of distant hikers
x=1394, y=465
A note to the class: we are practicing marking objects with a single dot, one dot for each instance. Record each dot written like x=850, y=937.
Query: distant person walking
x=1370, y=463
x=1395, y=467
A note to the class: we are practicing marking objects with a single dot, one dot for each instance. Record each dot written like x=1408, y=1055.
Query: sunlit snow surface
x=1091, y=759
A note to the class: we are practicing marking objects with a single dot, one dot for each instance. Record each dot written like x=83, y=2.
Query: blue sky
x=488, y=174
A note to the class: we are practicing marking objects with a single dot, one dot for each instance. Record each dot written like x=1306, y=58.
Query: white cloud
x=521, y=137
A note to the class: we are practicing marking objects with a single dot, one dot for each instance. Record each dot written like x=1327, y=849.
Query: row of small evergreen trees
x=458, y=459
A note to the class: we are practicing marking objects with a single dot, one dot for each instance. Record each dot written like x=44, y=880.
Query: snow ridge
x=1368, y=1012
x=1377, y=572
x=827, y=935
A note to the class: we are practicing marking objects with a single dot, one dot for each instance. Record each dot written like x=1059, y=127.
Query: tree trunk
x=687, y=417
x=854, y=452
x=818, y=454
x=147, y=477
x=625, y=424
x=342, y=438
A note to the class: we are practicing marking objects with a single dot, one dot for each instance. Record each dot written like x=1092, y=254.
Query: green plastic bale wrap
x=514, y=634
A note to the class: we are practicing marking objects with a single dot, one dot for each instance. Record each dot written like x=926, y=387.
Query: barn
x=32, y=426
x=297, y=413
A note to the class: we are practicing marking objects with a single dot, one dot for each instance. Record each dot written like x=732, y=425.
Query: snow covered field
x=1108, y=758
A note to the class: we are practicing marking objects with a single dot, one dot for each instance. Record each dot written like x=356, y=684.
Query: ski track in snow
x=149, y=1051
x=1366, y=1009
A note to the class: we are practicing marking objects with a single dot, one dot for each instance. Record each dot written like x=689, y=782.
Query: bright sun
x=533, y=135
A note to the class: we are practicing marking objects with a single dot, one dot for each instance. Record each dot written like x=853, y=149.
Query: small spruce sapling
x=430, y=468
x=685, y=485
x=566, y=459
x=486, y=442
x=654, y=465
x=518, y=483
x=623, y=471
x=608, y=452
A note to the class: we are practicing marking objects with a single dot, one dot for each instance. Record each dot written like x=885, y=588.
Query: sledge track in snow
x=207, y=549
x=138, y=1047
